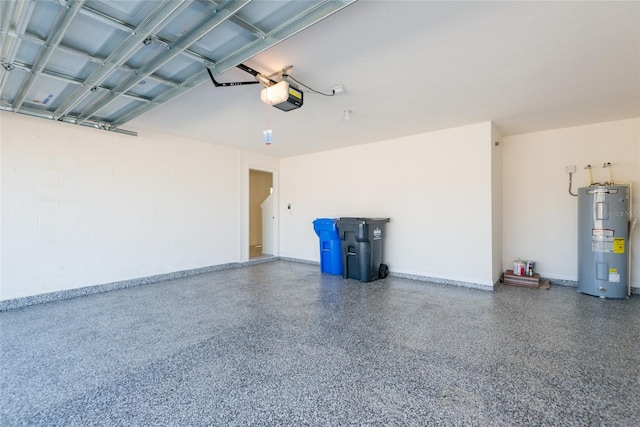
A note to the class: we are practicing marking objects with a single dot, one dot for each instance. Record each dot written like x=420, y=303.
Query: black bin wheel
x=383, y=271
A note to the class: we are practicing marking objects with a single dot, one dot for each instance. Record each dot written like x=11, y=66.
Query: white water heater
x=603, y=240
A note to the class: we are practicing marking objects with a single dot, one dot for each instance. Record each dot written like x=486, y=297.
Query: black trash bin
x=361, y=240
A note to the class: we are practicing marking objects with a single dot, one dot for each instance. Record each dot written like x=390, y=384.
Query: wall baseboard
x=410, y=276
x=442, y=281
x=299, y=261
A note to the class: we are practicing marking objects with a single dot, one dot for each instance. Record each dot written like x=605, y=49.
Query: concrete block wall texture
x=83, y=207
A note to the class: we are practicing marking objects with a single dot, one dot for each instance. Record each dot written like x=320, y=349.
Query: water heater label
x=618, y=245
x=602, y=232
x=614, y=276
x=602, y=240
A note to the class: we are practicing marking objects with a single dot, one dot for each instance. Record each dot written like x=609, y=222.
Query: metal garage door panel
x=117, y=108
x=128, y=11
x=179, y=68
x=43, y=17
x=149, y=88
x=222, y=42
x=46, y=92
x=90, y=99
x=189, y=17
x=70, y=65
x=27, y=52
x=94, y=37
x=15, y=79
x=145, y=54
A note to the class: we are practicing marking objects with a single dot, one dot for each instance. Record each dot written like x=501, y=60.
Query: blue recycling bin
x=330, y=245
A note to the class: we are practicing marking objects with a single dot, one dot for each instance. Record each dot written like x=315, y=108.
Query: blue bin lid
x=325, y=220
x=324, y=224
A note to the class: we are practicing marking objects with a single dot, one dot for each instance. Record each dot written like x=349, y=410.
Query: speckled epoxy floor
x=281, y=344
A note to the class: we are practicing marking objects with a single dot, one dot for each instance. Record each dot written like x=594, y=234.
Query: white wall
x=84, y=207
x=496, y=203
x=540, y=217
x=435, y=187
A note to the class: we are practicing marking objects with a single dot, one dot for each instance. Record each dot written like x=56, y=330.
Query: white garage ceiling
x=407, y=67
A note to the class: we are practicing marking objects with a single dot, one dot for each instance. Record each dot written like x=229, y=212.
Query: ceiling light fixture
x=275, y=94
x=282, y=96
x=346, y=114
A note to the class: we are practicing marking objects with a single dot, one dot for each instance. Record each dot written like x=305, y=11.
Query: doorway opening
x=261, y=214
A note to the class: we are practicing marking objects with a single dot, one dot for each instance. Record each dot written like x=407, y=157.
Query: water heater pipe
x=588, y=167
x=608, y=165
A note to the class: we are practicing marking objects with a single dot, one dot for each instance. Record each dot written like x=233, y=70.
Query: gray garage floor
x=281, y=344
